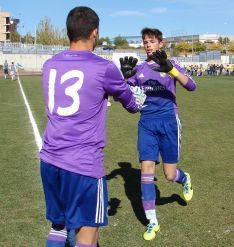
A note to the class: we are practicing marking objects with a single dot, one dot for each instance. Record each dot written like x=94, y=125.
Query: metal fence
x=20, y=48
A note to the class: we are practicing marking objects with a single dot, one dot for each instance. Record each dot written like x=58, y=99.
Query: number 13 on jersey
x=70, y=91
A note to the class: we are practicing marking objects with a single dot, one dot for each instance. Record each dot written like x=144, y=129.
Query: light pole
x=192, y=46
x=35, y=40
x=226, y=45
x=226, y=49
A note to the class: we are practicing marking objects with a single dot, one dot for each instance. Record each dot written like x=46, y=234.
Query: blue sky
x=128, y=17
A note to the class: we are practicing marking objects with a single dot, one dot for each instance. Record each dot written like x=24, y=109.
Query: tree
x=45, y=32
x=220, y=40
x=104, y=41
x=216, y=46
x=199, y=46
x=121, y=42
x=226, y=40
x=183, y=46
x=231, y=47
x=14, y=34
x=64, y=39
x=28, y=39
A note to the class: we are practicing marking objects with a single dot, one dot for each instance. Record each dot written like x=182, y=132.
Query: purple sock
x=180, y=176
x=148, y=194
x=56, y=238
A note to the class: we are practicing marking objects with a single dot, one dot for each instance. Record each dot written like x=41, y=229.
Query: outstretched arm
x=165, y=65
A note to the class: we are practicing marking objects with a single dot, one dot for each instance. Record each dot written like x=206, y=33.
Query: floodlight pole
x=226, y=49
x=35, y=40
x=192, y=46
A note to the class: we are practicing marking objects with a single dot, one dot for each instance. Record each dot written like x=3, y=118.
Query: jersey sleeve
x=116, y=86
x=191, y=84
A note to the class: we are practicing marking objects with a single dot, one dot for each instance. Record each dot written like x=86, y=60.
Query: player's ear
x=161, y=43
x=96, y=33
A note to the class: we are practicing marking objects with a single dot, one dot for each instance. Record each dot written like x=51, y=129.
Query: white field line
x=32, y=120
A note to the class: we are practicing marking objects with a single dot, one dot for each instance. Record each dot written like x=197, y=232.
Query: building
x=204, y=38
x=5, y=24
x=136, y=41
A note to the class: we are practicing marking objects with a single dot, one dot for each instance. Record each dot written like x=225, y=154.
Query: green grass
x=207, y=153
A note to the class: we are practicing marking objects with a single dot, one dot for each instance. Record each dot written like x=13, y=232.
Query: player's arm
x=166, y=66
x=115, y=86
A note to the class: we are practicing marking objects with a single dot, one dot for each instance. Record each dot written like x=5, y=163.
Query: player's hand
x=139, y=95
x=127, y=65
x=165, y=65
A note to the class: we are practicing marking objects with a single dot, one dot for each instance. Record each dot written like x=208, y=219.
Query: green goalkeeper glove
x=127, y=65
x=160, y=57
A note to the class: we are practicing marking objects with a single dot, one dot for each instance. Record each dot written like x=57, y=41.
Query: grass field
x=207, y=153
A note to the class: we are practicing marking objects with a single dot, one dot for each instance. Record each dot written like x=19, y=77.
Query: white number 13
x=71, y=91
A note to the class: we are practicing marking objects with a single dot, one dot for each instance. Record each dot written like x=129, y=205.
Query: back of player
x=75, y=91
x=76, y=85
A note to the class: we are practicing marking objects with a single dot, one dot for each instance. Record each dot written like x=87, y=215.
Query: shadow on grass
x=170, y=199
x=132, y=185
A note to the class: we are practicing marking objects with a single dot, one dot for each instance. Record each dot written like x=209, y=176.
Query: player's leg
x=57, y=236
x=86, y=206
x=54, y=210
x=5, y=73
x=87, y=237
x=148, y=195
x=173, y=173
x=169, y=145
x=148, y=155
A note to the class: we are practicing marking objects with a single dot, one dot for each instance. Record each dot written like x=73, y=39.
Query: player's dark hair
x=81, y=21
x=152, y=32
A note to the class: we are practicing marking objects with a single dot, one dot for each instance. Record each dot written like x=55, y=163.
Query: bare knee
x=169, y=171
x=148, y=166
x=169, y=176
x=87, y=235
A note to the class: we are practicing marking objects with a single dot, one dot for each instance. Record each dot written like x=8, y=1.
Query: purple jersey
x=160, y=89
x=75, y=87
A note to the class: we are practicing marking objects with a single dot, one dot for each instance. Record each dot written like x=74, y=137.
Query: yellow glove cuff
x=174, y=72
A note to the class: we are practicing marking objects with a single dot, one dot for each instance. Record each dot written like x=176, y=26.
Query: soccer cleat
x=187, y=188
x=151, y=231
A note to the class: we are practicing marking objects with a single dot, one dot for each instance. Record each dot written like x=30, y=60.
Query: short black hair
x=81, y=21
x=152, y=32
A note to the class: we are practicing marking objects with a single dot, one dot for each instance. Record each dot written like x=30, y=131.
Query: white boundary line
x=32, y=120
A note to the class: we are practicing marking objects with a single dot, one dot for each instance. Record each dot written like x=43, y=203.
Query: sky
x=128, y=17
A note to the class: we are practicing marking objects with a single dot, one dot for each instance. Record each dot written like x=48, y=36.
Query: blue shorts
x=159, y=136
x=73, y=199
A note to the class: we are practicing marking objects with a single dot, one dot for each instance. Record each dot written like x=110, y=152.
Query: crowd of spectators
x=210, y=69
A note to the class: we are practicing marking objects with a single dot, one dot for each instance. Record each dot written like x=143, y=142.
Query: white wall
x=30, y=62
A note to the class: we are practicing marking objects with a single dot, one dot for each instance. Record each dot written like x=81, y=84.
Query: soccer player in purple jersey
x=159, y=128
x=76, y=85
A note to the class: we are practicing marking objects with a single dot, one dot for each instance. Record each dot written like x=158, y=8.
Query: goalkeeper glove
x=139, y=95
x=160, y=57
x=127, y=65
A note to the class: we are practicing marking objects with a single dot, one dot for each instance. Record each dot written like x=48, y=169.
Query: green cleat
x=151, y=231
x=187, y=188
